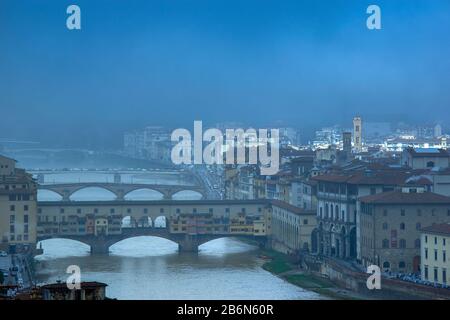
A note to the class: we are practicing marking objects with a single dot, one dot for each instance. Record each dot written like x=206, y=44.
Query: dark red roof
x=84, y=285
x=399, y=197
x=441, y=228
x=291, y=208
x=367, y=177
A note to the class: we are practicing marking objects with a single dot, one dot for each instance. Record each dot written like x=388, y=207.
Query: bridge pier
x=190, y=243
x=99, y=246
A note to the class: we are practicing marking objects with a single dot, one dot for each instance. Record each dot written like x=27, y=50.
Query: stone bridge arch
x=120, y=190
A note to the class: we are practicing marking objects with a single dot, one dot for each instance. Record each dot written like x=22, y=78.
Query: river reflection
x=151, y=268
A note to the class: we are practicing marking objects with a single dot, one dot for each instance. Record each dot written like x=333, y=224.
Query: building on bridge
x=17, y=207
x=190, y=223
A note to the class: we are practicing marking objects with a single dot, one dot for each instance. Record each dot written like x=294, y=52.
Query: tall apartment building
x=390, y=226
x=337, y=194
x=18, y=203
x=435, y=263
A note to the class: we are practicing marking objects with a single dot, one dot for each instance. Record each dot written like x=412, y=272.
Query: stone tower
x=357, y=134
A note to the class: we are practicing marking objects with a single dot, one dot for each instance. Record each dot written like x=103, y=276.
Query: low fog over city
x=224, y=150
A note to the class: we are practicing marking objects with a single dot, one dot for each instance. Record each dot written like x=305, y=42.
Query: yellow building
x=101, y=226
x=435, y=264
x=18, y=207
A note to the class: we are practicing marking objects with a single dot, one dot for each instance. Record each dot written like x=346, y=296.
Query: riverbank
x=282, y=266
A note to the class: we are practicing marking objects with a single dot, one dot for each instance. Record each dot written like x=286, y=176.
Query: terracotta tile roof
x=291, y=208
x=441, y=228
x=367, y=177
x=399, y=197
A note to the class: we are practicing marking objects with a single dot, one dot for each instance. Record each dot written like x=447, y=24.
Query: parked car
x=3, y=254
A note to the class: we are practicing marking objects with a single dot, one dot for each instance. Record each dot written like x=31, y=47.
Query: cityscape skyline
x=215, y=62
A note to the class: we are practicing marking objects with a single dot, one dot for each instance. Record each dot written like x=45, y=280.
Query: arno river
x=152, y=268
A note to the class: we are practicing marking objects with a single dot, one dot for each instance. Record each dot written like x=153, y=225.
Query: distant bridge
x=120, y=190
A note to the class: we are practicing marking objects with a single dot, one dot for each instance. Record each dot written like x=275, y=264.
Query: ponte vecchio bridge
x=120, y=190
x=189, y=223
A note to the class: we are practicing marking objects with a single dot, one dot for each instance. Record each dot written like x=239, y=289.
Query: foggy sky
x=170, y=62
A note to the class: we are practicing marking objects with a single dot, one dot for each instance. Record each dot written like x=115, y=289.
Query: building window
x=12, y=218
x=25, y=208
x=385, y=226
x=305, y=221
x=161, y=210
x=385, y=244
x=210, y=210
x=418, y=226
x=435, y=255
x=426, y=239
x=402, y=212
x=95, y=210
x=435, y=274
x=435, y=240
x=444, y=256
x=386, y=265
x=12, y=229
x=402, y=226
x=78, y=210
x=426, y=253
x=25, y=218
x=443, y=242
x=444, y=275
x=402, y=265
x=178, y=210
x=417, y=243
x=145, y=210
x=12, y=208
x=419, y=212
x=425, y=272
x=61, y=210
x=111, y=210
x=227, y=210
x=402, y=243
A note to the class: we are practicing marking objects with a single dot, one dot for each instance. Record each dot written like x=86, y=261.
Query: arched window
x=386, y=265
x=331, y=211
x=402, y=243
x=385, y=244
x=401, y=265
x=385, y=226
x=336, y=211
x=321, y=212
x=326, y=210
x=417, y=243
x=402, y=226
